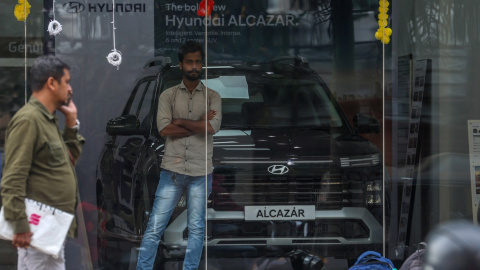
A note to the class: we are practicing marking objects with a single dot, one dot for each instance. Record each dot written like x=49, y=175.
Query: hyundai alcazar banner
x=234, y=30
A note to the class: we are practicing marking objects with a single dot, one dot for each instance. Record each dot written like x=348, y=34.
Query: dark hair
x=45, y=67
x=190, y=46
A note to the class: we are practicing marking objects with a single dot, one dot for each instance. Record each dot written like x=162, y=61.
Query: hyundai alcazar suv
x=290, y=171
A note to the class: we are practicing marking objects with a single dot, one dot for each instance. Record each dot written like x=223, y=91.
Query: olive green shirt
x=187, y=155
x=38, y=164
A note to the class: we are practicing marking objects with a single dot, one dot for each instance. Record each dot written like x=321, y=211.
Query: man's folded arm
x=197, y=127
x=175, y=131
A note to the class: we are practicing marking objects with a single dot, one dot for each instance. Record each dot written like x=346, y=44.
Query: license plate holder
x=280, y=212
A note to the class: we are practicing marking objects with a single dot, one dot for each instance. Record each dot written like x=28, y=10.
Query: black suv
x=289, y=170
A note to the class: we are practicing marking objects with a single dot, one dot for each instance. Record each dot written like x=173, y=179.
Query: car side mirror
x=365, y=124
x=124, y=125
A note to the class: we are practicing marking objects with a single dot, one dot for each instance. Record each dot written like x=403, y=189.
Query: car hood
x=287, y=144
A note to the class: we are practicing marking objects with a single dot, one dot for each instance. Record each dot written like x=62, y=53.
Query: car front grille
x=325, y=191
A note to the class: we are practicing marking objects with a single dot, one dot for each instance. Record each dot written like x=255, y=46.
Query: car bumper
x=174, y=236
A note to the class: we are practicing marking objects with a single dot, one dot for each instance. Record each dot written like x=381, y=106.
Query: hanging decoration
x=201, y=9
x=54, y=27
x=115, y=57
x=383, y=33
x=21, y=11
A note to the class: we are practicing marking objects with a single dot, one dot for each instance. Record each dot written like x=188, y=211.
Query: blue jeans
x=169, y=192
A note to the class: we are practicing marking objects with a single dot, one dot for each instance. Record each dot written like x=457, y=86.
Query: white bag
x=48, y=225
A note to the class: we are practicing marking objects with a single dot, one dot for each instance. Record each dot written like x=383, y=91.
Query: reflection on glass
x=285, y=145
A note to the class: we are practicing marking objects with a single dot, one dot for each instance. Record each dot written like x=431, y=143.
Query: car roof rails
x=158, y=61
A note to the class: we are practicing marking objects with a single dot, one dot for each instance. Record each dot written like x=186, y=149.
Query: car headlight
x=360, y=161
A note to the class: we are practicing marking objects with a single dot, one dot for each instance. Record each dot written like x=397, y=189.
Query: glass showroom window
x=332, y=142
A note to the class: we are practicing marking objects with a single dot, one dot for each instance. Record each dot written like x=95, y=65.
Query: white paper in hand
x=48, y=225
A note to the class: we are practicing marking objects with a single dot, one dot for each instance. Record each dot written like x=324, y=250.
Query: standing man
x=187, y=161
x=39, y=159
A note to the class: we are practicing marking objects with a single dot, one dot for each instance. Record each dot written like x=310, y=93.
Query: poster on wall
x=247, y=30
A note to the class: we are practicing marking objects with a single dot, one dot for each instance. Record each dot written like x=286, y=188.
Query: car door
x=128, y=147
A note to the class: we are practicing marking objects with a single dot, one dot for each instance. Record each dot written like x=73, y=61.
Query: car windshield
x=269, y=100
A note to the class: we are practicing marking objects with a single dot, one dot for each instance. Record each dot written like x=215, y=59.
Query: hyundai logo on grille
x=278, y=169
x=73, y=7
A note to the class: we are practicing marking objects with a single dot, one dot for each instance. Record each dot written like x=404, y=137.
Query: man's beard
x=191, y=76
x=66, y=102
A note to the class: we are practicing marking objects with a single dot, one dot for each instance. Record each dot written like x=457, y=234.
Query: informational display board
x=474, y=146
x=413, y=147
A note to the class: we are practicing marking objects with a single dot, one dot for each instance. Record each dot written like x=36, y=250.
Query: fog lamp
x=373, y=192
x=373, y=199
x=374, y=186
